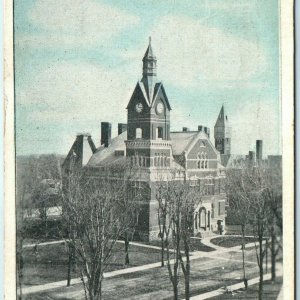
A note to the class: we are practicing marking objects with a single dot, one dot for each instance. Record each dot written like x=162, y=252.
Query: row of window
x=139, y=161
x=139, y=133
x=202, y=162
x=160, y=160
x=209, y=186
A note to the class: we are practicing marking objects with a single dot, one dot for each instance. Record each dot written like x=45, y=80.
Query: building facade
x=147, y=142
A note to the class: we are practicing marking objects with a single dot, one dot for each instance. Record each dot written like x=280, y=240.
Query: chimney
x=84, y=148
x=208, y=132
x=204, y=129
x=251, y=157
x=185, y=129
x=105, y=133
x=121, y=128
x=259, y=148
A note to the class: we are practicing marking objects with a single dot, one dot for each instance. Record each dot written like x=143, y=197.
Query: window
x=209, y=186
x=221, y=208
x=159, y=132
x=138, y=133
x=202, y=162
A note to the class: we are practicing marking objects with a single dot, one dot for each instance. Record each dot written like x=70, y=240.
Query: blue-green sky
x=77, y=63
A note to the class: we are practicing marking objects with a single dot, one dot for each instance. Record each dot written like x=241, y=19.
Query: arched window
x=138, y=133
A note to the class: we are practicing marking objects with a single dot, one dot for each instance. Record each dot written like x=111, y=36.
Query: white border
x=287, y=92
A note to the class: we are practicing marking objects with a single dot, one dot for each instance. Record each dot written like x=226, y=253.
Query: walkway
x=194, y=255
x=230, y=288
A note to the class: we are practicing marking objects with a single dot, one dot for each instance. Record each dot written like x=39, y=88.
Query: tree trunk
x=267, y=245
x=162, y=251
x=175, y=288
x=273, y=253
x=187, y=277
x=126, y=242
x=70, y=264
x=20, y=273
x=261, y=270
x=243, y=253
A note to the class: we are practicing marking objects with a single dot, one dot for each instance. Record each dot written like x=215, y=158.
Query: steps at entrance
x=204, y=234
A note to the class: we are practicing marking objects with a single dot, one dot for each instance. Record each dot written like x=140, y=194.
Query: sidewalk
x=240, y=285
x=195, y=255
x=233, y=287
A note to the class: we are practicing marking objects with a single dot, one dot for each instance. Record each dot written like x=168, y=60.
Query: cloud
x=78, y=23
x=76, y=97
x=255, y=120
x=192, y=54
x=231, y=6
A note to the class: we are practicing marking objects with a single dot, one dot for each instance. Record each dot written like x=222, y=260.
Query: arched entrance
x=202, y=219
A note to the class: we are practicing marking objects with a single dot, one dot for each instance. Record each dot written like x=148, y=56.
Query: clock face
x=139, y=107
x=159, y=108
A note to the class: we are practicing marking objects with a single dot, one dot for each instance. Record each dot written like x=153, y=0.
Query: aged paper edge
x=287, y=98
x=288, y=155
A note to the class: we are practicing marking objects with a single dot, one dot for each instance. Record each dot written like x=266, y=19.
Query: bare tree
x=97, y=210
x=178, y=201
x=161, y=191
x=252, y=195
x=191, y=196
x=273, y=196
x=240, y=208
x=173, y=236
x=31, y=171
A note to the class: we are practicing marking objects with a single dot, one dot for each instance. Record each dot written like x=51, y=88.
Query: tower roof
x=222, y=119
x=149, y=52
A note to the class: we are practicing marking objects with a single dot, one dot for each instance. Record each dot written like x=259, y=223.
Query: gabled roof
x=106, y=155
x=159, y=86
x=156, y=89
x=181, y=140
x=141, y=87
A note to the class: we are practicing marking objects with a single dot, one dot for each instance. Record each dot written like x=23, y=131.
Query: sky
x=77, y=63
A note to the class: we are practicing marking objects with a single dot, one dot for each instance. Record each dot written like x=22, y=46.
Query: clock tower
x=148, y=118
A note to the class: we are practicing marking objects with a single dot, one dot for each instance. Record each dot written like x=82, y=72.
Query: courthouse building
x=146, y=141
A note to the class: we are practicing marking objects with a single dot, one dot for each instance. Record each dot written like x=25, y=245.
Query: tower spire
x=149, y=70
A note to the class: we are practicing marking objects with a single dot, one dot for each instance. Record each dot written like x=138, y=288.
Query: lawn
x=270, y=291
x=196, y=245
x=206, y=274
x=231, y=241
x=49, y=262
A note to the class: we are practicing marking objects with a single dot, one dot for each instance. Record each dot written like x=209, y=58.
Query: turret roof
x=222, y=120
